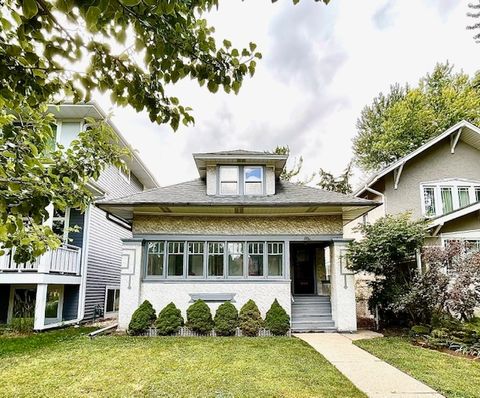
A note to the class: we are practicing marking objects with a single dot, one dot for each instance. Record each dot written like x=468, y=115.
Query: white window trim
x=66, y=224
x=454, y=184
x=245, y=182
x=107, y=288
x=220, y=181
x=60, y=305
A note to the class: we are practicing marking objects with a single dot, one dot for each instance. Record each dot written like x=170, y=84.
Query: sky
x=321, y=65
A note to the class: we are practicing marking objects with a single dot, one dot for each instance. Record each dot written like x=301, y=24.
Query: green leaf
x=29, y=8
x=92, y=17
x=130, y=3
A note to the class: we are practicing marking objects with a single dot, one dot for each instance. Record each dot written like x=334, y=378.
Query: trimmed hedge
x=142, y=319
x=277, y=320
x=226, y=319
x=199, y=317
x=169, y=320
x=250, y=319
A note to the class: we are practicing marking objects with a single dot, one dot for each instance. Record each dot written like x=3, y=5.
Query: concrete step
x=311, y=317
x=313, y=325
x=307, y=330
x=308, y=299
x=311, y=305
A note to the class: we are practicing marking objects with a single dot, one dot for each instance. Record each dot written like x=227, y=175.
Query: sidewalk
x=371, y=375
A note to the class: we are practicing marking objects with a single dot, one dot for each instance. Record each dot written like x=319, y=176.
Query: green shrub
x=277, y=320
x=250, y=319
x=22, y=325
x=142, y=319
x=419, y=330
x=199, y=317
x=169, y=320
x=226, y=319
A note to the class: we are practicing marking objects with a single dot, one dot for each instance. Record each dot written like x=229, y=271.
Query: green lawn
x=67, y=363
x=450, y=375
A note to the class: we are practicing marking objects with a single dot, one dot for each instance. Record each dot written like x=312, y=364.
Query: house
x=81, y=279
x=239, y=233
x=439, y=181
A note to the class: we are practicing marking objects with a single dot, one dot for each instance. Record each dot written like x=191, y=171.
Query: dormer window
x=240, y=180
x=229, y=180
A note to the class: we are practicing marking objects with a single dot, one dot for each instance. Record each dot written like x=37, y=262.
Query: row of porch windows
x=177, y=259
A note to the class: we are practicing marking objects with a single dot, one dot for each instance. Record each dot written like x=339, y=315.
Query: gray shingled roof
x=194, y=193
x=235, y=152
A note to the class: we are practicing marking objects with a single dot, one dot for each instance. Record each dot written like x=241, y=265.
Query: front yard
x=67, y=363
x=453, y=376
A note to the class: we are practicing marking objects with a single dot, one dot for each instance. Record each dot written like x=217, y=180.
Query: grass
x=67, y=363
x=453, y=376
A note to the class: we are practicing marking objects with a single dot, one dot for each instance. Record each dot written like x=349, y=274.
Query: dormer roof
x=239, y=156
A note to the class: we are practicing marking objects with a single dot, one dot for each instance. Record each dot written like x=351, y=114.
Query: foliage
x=226, y=319
x=124, y=366
x=400, y=121
x=199, y=317
x=169, y=320
x=142, y=319
x=277, y=320
x=337, y=184
x=388, y=252
x=34, y=173
x=452, y=376
x=250, y=319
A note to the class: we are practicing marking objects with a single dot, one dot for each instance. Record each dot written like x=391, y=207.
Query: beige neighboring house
x=239, y=233
x=439, y=181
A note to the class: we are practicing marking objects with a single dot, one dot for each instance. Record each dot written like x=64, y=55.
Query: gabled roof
x=193, y=194
x=239, y=156
x=463, y=130
x=68, y=110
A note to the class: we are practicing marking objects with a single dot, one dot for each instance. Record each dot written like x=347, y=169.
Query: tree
x=289, y=174
x=337, y=184
x=388, y=251
x=51, y=50
x=402, y=120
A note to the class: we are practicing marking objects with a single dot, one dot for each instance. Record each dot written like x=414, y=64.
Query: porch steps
x=312, y=314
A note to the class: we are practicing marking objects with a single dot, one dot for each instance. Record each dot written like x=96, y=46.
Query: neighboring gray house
x=81, y=279
x=439, y=181
x=240, y=233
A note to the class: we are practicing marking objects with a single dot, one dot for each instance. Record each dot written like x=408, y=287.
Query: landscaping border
x=187, y=332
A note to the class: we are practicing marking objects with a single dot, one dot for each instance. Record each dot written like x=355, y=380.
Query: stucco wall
x=303, y=225
x=434, y=164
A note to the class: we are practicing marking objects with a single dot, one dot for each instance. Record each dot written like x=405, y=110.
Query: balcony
x=65, y=260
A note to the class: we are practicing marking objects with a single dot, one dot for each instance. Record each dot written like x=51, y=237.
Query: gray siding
x=434, y=164
x=70, y=302
x=4, y=300
x=115, y=185
x=104, y=259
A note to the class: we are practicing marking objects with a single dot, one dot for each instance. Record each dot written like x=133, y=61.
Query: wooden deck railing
x=64, y=260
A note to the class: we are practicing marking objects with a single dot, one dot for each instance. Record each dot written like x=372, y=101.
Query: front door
x=303, y=267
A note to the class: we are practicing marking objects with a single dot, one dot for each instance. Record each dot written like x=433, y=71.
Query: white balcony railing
x=64, y=260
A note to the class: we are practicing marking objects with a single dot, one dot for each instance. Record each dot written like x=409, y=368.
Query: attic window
x=229, y=177
x=253, y=180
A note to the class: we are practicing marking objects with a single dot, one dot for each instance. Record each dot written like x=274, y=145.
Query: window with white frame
x=60, y=223
x=175, y=258
x=253, y=180
x=229, y=180
x=125, y=174
x=53, y=305
x=255, y=258
x=214, y=259
x=446, y=196
x=155, y=258
x=112, y=299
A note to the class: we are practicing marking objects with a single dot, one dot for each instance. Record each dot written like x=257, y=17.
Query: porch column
x=130, y=281
x=342, y=289
x=40, y=304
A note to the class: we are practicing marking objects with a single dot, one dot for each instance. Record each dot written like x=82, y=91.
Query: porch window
x=216, y=251
x=195, y=258
x=112, y=300
x=155, y=255
x=253, y=177
x=229, y=177
x=53, y=304
x=175, y=258
x=235, y=258
x=255, y=258
x=275, y=259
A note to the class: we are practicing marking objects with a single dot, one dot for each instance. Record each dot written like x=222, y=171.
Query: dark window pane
x=110, y=300
x=195, y=265
x=53, y=299
x=155, y=264
x=275, y=266
x=215, y=265
x=175, y=265
x=117, y=300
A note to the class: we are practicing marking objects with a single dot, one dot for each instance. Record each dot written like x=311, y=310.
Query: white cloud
x=321, y=66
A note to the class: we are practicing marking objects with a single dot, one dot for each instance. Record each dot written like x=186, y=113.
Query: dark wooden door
x=303, y=265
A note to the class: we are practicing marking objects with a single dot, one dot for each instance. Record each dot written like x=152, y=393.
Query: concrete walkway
x=371, y=375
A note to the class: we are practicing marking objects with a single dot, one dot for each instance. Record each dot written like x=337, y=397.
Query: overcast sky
x=321, y=65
